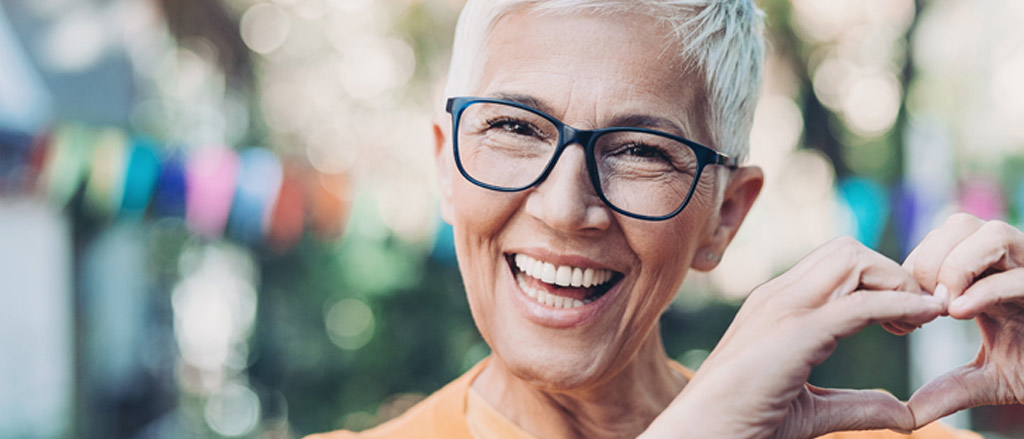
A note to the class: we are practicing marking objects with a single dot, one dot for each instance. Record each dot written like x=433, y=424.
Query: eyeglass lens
x=639, y=172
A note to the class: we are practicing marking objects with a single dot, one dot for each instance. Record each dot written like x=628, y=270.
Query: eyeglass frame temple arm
x=727, y=161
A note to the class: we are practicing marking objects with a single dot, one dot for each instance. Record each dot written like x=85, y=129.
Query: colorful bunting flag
x=140, y=178
x=259, y=182
x=211, y=174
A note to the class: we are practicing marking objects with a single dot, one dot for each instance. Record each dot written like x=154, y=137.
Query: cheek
x=479, y=217
x=664, y=265
x=481, y=214
x=665, y=250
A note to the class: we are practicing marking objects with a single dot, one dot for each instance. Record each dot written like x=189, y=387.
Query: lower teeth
x=549, y=299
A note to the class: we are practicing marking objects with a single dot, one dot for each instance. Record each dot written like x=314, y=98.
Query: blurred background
x=218, y=218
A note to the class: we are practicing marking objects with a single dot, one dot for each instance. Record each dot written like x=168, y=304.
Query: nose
x=566, y=199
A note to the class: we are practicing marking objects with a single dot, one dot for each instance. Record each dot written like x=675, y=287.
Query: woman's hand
x=754, y=384
x=977, y=267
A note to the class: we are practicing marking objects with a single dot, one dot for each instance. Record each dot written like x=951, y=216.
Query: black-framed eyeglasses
x=641, y=173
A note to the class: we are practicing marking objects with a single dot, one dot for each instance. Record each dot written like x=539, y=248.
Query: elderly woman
x=589, y=157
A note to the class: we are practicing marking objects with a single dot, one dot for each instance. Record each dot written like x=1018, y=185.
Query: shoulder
x=441, y=415
x=935, y=430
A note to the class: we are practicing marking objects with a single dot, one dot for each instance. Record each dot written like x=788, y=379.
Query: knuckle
x=923, y=272
x=999, y=229
x=769, y=294
x=847, y=247
x=932, y=234
x=759, y=293
x=847, y=241
x=962, y=219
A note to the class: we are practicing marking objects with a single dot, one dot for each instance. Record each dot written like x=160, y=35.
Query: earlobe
x=742, y=189
x=443, y=163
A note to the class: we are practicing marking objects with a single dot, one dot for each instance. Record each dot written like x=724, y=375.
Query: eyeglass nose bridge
x=568, y=136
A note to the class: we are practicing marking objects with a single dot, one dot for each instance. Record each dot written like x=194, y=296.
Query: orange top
x=457, y=412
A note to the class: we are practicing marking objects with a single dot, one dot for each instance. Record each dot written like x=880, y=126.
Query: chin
x=555, y=368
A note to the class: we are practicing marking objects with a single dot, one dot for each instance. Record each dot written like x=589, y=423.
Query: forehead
x=591, y=67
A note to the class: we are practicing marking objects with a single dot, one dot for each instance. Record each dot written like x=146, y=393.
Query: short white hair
x=722, y=39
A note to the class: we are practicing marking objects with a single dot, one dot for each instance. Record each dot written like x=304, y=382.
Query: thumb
x=849, y=409
x=956, y=390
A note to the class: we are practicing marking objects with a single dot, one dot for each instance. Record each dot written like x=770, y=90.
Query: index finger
x=845, y=265
x=993, y=246
x=925, y=261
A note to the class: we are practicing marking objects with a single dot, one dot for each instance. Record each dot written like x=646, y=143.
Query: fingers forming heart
x=785, y=328
x=977, y=269
x=968, y=268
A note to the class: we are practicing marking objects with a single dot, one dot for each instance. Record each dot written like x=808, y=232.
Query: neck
x=622, y=406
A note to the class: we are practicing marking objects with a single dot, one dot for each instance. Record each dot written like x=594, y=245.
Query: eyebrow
x=648, y=121
x=632, y=120
x=525, y=99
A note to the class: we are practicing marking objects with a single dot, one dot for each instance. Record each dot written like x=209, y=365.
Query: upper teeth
x=562, y=275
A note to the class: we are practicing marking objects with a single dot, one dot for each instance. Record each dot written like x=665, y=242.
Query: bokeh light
x=871, y=103
x=265, y=27
x=77, y=41
x=233, y=411
x=349, y=323
x=214, y=306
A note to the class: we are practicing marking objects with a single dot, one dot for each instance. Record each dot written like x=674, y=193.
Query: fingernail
x=934, y=299
x=959, y=302
x=942, y=293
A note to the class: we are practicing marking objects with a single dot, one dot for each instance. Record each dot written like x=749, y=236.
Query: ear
x=444, y=163
x=740, y=192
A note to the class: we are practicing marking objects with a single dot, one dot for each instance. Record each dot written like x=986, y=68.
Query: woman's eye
x=514, y=127
x=644, y=151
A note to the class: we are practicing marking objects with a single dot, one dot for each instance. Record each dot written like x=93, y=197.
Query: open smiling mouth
x=564, y=286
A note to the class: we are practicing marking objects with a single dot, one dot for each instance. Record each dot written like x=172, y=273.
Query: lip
x=559, y=318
